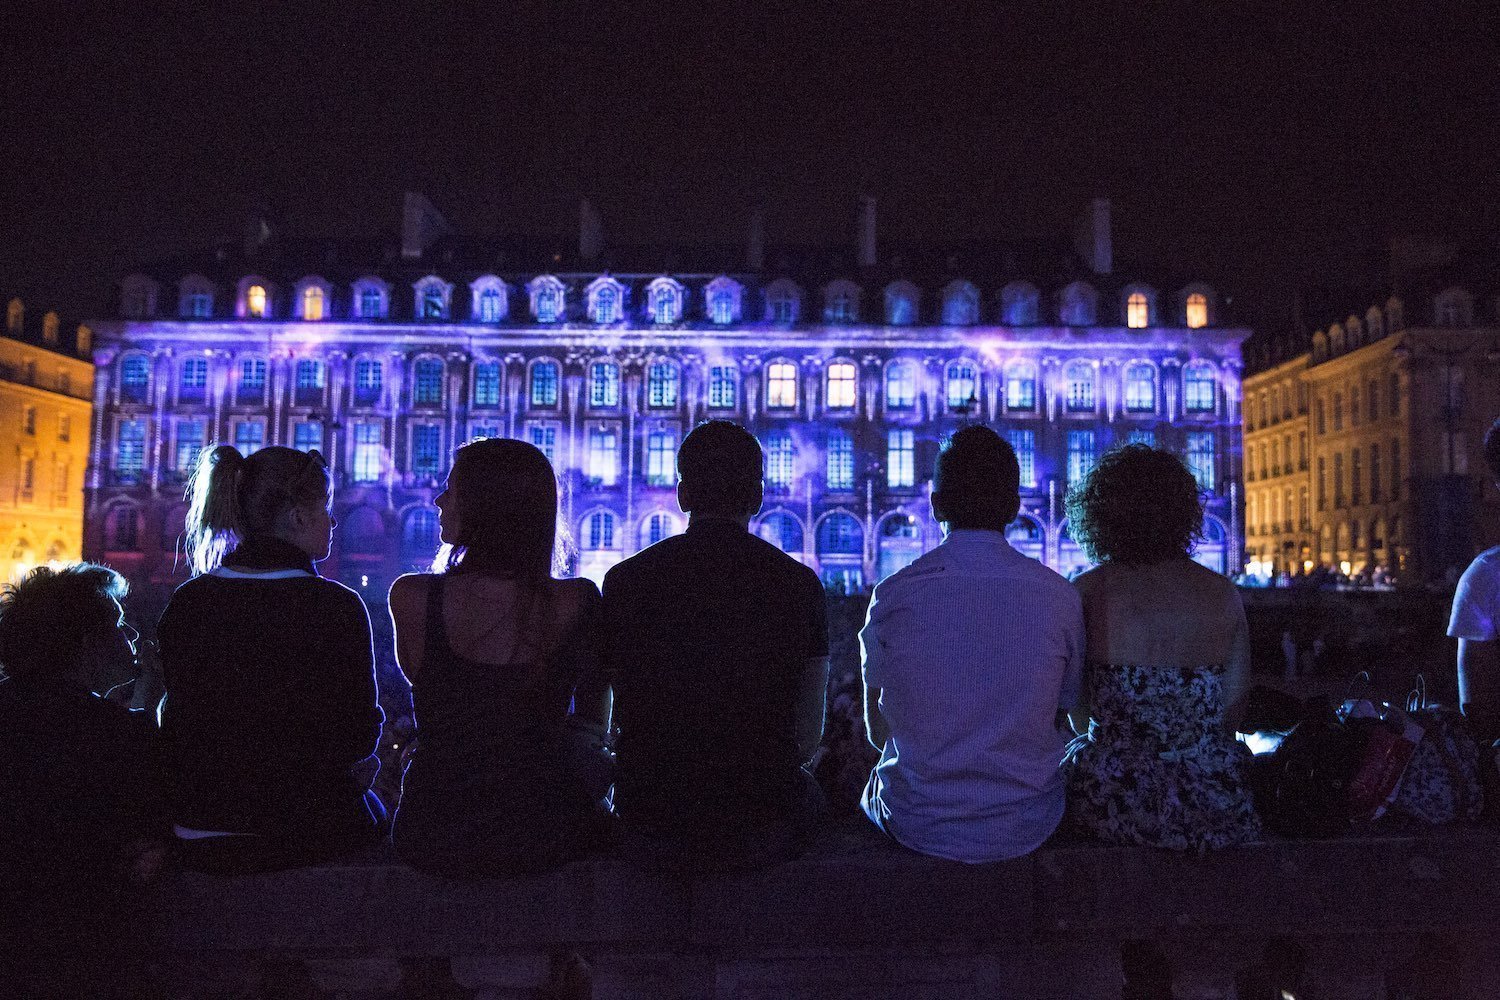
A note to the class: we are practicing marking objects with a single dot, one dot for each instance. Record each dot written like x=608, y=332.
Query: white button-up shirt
x=975, y=648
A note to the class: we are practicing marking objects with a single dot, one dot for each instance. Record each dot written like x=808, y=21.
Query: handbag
x=1442, y=782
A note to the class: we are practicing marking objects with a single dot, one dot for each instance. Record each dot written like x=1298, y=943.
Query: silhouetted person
x=1475, y=623
x=494, y=647
x=716, y=646
x=971, y=653
x=82, y=815
x=270, y=675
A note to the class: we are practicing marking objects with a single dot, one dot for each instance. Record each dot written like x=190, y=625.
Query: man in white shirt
x=972, y=655
x=1476, y=612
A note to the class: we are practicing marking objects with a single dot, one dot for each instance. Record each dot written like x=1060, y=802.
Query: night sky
x=1262, y=150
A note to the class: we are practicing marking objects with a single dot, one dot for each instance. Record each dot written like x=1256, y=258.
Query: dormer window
x=1197, y=311
x=312, y=299
x=490, y=299
x=50, y=324
x=1018, y=304
x=254, y=298
x=606, y=300
x=433, y=296
x=783, y=302
x=195, y=298
x=371, y=298
x=724, y=296
x=1137, y=311
x=138, y=297
x=1077, y=304
x=901, y=299
x=665, y=299
x=1454, y=307
x=841, y=302
x=255, y=301
x=547, y=298
x=781, y=385
x=960, y=304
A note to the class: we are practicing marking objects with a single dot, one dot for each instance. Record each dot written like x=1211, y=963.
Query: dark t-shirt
x=706, y=637
x=271, y=701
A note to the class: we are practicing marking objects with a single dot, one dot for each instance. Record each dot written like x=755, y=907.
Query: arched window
x=781, y=385
x=841, y=302
x=960, y=304
x=314, y=303
x=783, y=531
x=309, y=379
x=195, y=297
x=657, y=527
x=427, y=382
x=599, y=531
x=606, y=306
x=371, y=298
x=1078, y=376
x=547, y=298
x=122, y=529
x=840, y=459
x=604, y=384
x=138, y=296
x=1195, y=310
x=1137, y=311
x=781, y=460
x=723, y=296
x=1018, y=304
x=491, y=305
x=256, y=302
x=901, y=299
x=665, y=299
x=369, y=378
x=1078, y=304
x=488, y=299
x=544, y=378
x=962, y=380
x=840, y=534
x=433, y=295
x=420, y=533
x=251, y=388
x=1140, y=388
x=487, y=383
x=192, y=384
x=842, y=385
x=662, y=384
x=783, y=302
x=135, y=378
x=723, y=386
x=900, y=385
x=1020, y=386
x=1199, y=388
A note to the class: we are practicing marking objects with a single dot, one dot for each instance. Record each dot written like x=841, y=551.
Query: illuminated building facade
x=1364, y=444
x=849, y=370
x=45, y=387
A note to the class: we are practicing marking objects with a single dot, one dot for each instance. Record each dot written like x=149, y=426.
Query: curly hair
x=1138, y=505
x=49, y=616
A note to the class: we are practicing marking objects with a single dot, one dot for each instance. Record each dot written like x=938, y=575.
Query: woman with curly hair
x=1168, y=658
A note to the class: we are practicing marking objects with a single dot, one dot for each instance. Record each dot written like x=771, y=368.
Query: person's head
x=1492, y=450
x=498, y=510
x=1138, y=505
x=275, y=492
x=977, y=481
x=719, y=472
x=66, y=624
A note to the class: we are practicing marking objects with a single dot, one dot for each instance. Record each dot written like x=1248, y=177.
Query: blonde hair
x=232, y=496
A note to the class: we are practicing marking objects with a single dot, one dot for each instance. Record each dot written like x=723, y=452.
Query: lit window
x=1197, y=310
x=603, y=456
x=665, y=305
x=781, y=385
x=1198, y=388
x=309, y=382
x=1137, y=311
x=840, y=460
x=723, y=387
x=782, y=530
x=491, y=306
x=434, y=303
x=371, y=303
x=1020, y=386
x=255, y=301
x=661, y=453
x=483, y=432
x=307, y=436
x=544, y=438
x=65, y=428
x=781, y=460
x=189, y=444
x=249, y=436
x=841, y=307
x=601, y=531
x=548, y=304
x=721, y=308
x=422, y=531
x=961, y=305
x=604, y=384
x=963, y=386
x=1140, y=388
x=487, y=383
x=312, y=303
x=368, y=376
x=135, y=378
x=841, y=385
x=192, y=386
x=369, y=452
x=606, y=305
x=1023, y=443
x=130, y=451
x=426, y=450
x=1200, y=459
x=658, y=527
x=900, y=385
x=544, y=384
x=661, y=385
x=1080, y=455
x=901, y=458
x=427, y=382
x=1147, y=438
x=840, y=535
x=200, y=305
x=252, y=388
x=1079, y=377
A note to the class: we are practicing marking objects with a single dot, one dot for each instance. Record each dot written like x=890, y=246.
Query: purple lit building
x=848, y=364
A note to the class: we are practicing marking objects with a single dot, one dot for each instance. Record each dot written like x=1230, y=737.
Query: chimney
x=590, y=231
x=865, y=232
x=1092, y=238
x=421, y=224
x=755, y=248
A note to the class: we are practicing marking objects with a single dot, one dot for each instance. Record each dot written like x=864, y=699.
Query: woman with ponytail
x=494, y=647
x=271, y=701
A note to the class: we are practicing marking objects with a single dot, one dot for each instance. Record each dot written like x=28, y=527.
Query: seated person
x=717, y=650
x=971, y=655
x=494, y=647
x=271, y=703
x=82, y=814
x=1476, y=612
x=1168, y=651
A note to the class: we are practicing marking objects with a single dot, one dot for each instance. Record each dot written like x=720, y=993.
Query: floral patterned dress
x=1155, y=767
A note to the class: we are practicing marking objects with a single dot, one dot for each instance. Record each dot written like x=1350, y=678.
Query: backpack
x=1442, y=782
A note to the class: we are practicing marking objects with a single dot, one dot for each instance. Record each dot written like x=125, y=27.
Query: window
x=368, y=376
x=1078, y=305
x=121, y=529
x=192, y=383
x=252, y=388
x=721, y=308
x=840, y=459
x=842, y=382
x=1080, y=455
x=781, y=385
x=1395, y=471
x=130, y=451
x=307, y=436
x=1140, y=388
x=1020, y=386
x=249, y=435
x=661, y=385
x=65, y=383
x=1322, y=484
x=900, y=385
x=1137, y=311
x=189, y=444
x=1304, y=517
x=491, y=306
x=723, y=387
x=426, y=450
x=483, y=431
x=1354, y=407
x=1018, y=305
x=666, y=304
x=1198, y=388
x=604, y=384
x=1338, y=411
x=422, y=532
x=960, y=304
x=548, y=304
x=963, y=386
x=427, y=382
x=901, y=458
x=312, y=303
x=781, y=460
x=1200, y=458
x=901, y=304
x=544, y=438
x=369, y=452
x=1338, y=480
x=1197, y=310
x=782, y=531
x=603, y=456
x=1302, y=451
x=135, y=378
x=309, y=375
x=487, y=383
x=600, y=531
x=840, y=534
x=255, y=301
x=658, y=527
x=1356, y=479
x=607, y=305
x=544, y=384
x=1024, y=445
x=1147, y=438
x=65, y=427
x=432, y=302
x=841, y=303
x=1393, y=394
x=661, y=454
x=1318, y=422
x=1372, y=397
x=198, y=305
x=28, y=421
x=371, y=302
x=1079, y=377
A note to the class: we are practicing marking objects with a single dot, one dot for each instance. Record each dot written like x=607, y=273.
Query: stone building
x=850, y=366
x=46, y=385
x=1363, y=441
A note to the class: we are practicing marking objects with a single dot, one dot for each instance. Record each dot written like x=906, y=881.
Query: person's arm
x=1479, y=687
x=352, y=702
x=408, y=604
x=593, y=699
x=1072, y=712
x=812, y=697
x=877, y=731
x=872, y=666
x=1236, y=665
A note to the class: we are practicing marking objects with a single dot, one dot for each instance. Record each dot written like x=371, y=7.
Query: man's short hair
x=1492, y=449
x=49, y=616
x=978, y=479
x=720, y=462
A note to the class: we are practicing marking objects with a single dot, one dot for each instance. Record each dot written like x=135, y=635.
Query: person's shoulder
x=408, y=590
x=1487, y=561
x=577, y=591
x=1048, y=580
x=931, y=565
x=335, y=594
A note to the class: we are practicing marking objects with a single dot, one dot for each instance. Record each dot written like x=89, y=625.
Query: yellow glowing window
x=841, y=385
x=1137, y=311
x=255, y=301
x=781, y=385
x=1197, y=310
x=312, y=303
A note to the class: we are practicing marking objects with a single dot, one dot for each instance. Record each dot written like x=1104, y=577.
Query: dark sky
x=1261, y=149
